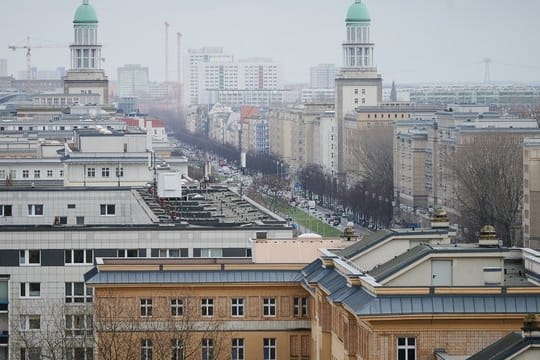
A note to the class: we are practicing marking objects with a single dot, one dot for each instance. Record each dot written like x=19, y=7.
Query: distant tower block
x=486, y=62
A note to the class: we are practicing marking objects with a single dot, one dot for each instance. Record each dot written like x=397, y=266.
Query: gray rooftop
x=195, y=277
x=390, y=267
x=504, y=348
x=366, y=242
x=364, y=303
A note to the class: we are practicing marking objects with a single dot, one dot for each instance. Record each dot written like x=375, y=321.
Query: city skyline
x=415, y=41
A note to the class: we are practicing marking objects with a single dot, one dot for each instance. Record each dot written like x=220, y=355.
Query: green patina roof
x=358, y=12
x=85, y=14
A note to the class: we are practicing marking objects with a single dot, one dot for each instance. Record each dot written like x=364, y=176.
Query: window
x=300, y=306
x=105, y=172
x=30, y=289
x=6, y=210
x=77, y=292
x=13, y=174
x=146, y=307
x=269, y=349
x=177, y=307
x=177, y=349
x=207, y=307
x=78, y=257
x=123, y=253
x=146, y=349
x=80, y=324
x=35, y=210
x=30, y=322
x=120, y=172
x=25, y=174
x=79, y=220
x=2, y=174
x=212, y=252
x=237, y=307
x=91, y=172
x=169, y=253
x=237, y=349
x=29, y=257
x=269, y=307
x=30, y=353
x=107, y=209
x=49, y=173
x=207, y=349
x=406, y=348
x=71, y=206
x=80, y=353
x=61, y=173
x=37, y=174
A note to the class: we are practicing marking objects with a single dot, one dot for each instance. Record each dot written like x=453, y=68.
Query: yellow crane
x=28, y=46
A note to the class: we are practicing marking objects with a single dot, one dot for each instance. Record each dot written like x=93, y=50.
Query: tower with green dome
x=86, y=75
x=358, y=84
x=358, y=48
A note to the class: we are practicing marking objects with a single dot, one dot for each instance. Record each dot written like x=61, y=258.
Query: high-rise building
x=3, y=67
x=86, y=75
x=132, y=80
x=322, y=76
x=196, y=57
x=358, y=83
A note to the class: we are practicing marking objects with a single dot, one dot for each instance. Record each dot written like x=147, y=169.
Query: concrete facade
x=531, y=193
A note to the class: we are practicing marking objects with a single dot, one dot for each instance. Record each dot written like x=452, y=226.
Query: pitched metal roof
x=505, y=347
x=367, y=242
x=193, y=277
x=390, y=267
x=364, y=303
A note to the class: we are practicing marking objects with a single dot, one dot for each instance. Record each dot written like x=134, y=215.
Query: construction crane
x=28, y=48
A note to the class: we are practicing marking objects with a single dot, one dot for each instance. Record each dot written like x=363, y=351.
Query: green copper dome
x=85, y=14
x=358, y=12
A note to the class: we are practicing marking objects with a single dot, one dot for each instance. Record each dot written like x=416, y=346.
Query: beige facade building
x=423, y=151
x=434, y=300
x=531, y=193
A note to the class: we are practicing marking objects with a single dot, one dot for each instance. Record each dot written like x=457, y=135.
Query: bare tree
x=373, y=158
x=488, y=176
x=169, y=328
x=53, y=330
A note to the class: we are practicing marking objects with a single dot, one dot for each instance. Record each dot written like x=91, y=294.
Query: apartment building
x=531, y=188
x=51, y=236
x=424, y=149
x=433, y=299
x=248, y=311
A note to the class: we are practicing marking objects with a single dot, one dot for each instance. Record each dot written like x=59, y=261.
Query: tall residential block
x=133, y=80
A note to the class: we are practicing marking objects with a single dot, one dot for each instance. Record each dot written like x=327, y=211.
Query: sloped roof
x=193, y=277
x=390, y=267
x=505, y=347
x=367, y=242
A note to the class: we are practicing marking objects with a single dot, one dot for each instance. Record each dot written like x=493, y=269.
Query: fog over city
x=416, y=40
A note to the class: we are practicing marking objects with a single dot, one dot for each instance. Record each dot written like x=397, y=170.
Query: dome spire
x=85, y=2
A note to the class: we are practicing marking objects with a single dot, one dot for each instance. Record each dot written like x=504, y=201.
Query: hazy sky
x=416, y=40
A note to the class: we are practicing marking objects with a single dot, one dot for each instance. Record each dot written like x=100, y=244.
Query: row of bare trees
x=486, y=174
x=368, y=195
